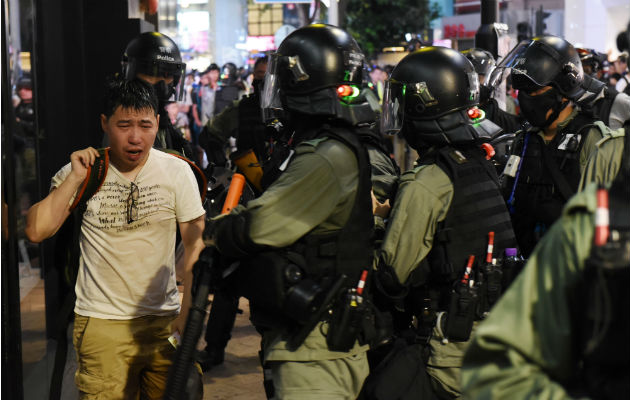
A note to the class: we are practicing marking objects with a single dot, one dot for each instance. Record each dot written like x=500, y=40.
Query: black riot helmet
x=592, y=61
x=156, y=55
x=431, y=98
x=228, y=74
x=482, y=60
x=317, y=70
x=544, y=61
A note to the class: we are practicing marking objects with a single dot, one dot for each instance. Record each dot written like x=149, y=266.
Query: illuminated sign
x=260, y=43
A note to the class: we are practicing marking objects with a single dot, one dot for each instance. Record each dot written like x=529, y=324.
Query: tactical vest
x=604, y=301
x=539, y=196
x=288, y=287
x=477, y=208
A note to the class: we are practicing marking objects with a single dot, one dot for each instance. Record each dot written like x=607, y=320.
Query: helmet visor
x=533, y=60
x=393, y=113
x=161, y=69
x=270, y=103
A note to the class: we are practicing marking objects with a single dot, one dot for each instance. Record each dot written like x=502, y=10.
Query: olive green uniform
x=423, y=200
x=605, y=160
x=524, y=349
x=315, y=195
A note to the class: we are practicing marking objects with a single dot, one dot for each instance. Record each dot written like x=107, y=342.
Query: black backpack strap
x=95, y=177
x=202, y=181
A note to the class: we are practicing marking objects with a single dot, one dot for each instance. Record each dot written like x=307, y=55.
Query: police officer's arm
x=590, y=144
x=46, y=217
x=605, y=160
x=524, y=348
x=225, y=124
x=423, y=199
x=191, y=233
x=303, y=197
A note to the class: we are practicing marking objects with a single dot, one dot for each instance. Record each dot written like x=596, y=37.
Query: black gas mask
x=535, y=108
x=257, y=84
x=163, y=91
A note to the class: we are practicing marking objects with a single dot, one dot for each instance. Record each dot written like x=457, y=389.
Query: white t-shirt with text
x=127, y=270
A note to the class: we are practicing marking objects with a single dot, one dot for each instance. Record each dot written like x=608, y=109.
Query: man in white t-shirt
x=127, y=299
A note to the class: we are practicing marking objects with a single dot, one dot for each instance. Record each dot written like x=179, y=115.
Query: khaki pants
x=339, y=379
x=122, y=359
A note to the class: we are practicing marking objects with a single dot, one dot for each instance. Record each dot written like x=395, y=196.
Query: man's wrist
x=75, y=179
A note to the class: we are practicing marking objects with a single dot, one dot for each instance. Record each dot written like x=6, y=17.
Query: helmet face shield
x=270, y=103
x=416, y=101
x=158, y=69
x=393, y=111
x=537, y=64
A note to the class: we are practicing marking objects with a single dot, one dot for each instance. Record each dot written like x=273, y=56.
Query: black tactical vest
x=477, y=208
x=352, y=250
x=539, y=196
x=603, y=315
x=272, y=277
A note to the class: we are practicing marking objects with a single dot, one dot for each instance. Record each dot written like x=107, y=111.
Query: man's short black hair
x=211, y=67
x=134, y=94
x=261, y=60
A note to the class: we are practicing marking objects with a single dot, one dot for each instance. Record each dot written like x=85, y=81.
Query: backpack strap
x=202, y=182
x=94, y=180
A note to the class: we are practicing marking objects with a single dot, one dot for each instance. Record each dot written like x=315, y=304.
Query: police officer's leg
x=218, y=332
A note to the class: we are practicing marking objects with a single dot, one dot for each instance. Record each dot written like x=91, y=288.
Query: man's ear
x=104, y=122
x=158, y=119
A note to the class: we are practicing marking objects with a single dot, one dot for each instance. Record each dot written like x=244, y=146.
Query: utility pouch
x=271, y=278
x=461, y=313
x=346, y=323
x=492, y=285
x=377, y=326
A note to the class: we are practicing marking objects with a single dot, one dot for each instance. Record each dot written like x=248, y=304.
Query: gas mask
x=163, y=91
x=534, y=108
x=257, y=84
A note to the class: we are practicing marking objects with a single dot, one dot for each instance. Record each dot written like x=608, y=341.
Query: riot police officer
x=445, y=210
x=484, y=64
x=306, y=241
x=155, y=58
x=599, y=100
x=242, y=121
x=561, y=331
x=546, y=161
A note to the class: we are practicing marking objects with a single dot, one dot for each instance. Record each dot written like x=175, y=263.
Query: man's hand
x=179, y=323
x=80, y=161
x=45, y=217
x=380, y=209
